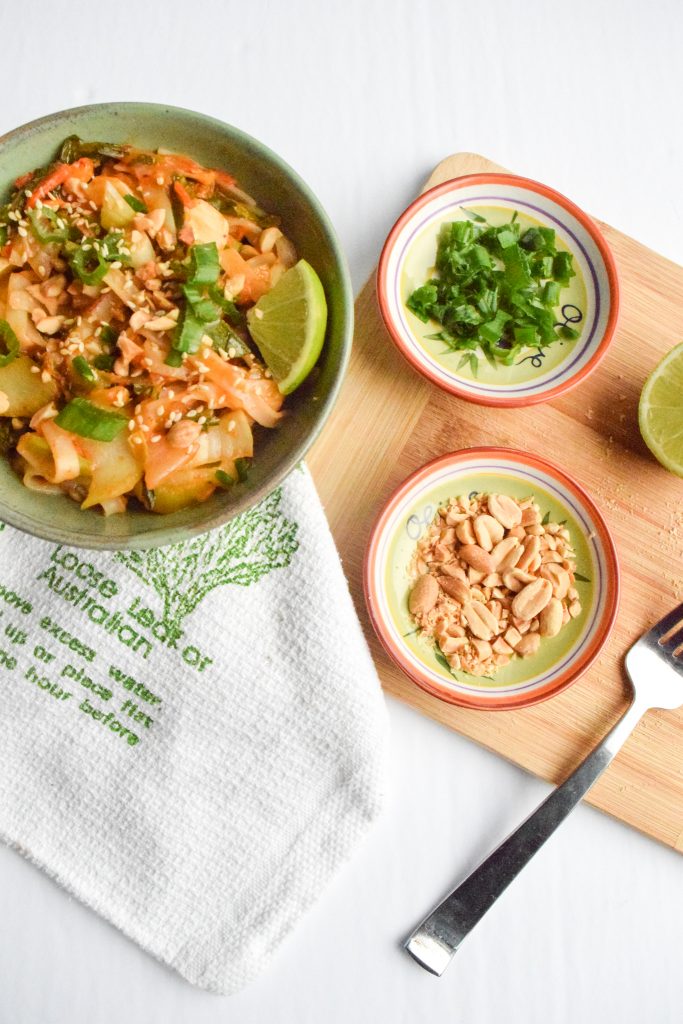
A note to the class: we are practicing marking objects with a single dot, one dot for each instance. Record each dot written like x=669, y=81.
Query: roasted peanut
x=424, y=595
x=465, y=533
x=481, y=622
x=505, y=510
x=455, y=588
x=506, y=553
x=531, y=548
x=550, y=620
x=532, y=599
x=528, y=645
x=477, y=558
x=488, y=531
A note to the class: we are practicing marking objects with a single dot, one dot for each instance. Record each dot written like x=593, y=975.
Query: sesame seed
x=160, y=180
x=201, y=420
x=116, y=265
x=45, y=377
x=23, y=232
x=156, y=438
x=35, y=369
x=131, y=424
x=92, y=205
x=145, y=427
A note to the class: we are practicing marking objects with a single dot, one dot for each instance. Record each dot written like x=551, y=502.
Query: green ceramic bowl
x=279, y=189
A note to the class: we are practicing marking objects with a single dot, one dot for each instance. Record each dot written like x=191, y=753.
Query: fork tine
x=666, y=624
x=671, y=643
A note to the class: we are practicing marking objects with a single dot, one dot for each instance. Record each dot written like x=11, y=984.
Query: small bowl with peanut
x=491, y=578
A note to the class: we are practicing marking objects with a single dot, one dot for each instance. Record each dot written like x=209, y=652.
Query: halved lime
x=288, y=325
x=660, y=413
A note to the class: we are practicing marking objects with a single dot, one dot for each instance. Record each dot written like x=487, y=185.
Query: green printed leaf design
x=581, y=579
x=239, y=554
x=546, y=519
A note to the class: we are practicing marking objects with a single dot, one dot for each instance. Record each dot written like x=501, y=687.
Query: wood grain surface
x=389, y=421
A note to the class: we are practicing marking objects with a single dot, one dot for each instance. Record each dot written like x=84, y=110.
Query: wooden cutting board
x=389, y=421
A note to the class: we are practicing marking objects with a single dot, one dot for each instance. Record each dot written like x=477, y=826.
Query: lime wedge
x=288, y=325
x=660, y=413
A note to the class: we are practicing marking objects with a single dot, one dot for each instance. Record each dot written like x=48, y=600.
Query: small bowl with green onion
x=498, y=289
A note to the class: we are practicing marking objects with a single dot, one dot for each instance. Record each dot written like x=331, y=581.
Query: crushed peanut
x=492, y=577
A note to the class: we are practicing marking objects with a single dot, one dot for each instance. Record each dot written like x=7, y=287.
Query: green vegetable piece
x=203, y=308
x=506, y=238
x=47, y=225
x=135, y=203
x=174, y=358
x=84, y=369
x=104, y=362
x=224, y=479
x=88, y=265
x=224, y=337
x=108, y=336
x=242, y=466
x=110, y=248
x=9, y=344
x=73, y=147
x=204, y=265
x=422, y=300
x=189, y=332
x=88, y=420
x=551, y=293
x=525, y=336
x=563, y=269
x=493, y=330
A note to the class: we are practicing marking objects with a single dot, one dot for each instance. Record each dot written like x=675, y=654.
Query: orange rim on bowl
x=410, y=511
x=547, y=372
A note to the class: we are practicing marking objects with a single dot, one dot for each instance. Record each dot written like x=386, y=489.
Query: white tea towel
x=192, y=737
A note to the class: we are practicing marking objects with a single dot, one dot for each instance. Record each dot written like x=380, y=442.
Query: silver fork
x=654, y=672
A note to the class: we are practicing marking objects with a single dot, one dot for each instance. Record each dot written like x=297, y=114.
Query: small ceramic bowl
x=277, y=188
x=589, y=304
x=410, y=511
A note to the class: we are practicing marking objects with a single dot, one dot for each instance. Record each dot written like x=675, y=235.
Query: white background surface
x=363, y=98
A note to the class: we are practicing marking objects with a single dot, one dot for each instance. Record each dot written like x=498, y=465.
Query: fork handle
x=434, y=943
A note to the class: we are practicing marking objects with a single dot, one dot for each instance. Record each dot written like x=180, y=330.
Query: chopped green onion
x=242, y=466
x=73, y=148
x=47, y=225
x=135, y=203
x=495, y=290
x=88, y=420
x=188, y=334
x=108, y=336
x=551, y=293
x=104, y=362
x=110, y=247
x=88, y=265
x=224, y=479
x=9, y=344
x=84, y=369
x=204, y=265
x=224, y=337
x=174, y=358
x=203, y=308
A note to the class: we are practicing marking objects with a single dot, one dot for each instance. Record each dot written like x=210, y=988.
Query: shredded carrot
x=183, y=195
x=23, y=179
x=83, y=169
